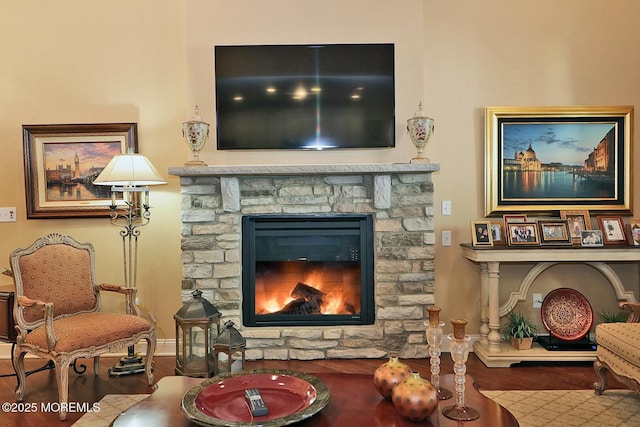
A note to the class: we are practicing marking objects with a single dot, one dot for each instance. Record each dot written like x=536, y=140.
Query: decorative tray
x=567, y=314
x=290, y=397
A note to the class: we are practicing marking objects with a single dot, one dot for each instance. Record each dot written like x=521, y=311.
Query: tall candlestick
x=434, y=339
x=459, y=354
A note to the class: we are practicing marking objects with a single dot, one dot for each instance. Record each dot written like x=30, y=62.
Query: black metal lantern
x=195, y=335
x=228, y=350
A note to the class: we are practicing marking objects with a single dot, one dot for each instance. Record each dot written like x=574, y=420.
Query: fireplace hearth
x=307, y=270
x=399, y=200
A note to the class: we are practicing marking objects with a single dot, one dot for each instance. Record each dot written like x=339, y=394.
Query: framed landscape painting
x=61, y=162
x=548, y=159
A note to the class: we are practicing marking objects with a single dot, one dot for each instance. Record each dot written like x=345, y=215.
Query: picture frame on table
x=591, y=239
x=497, y=233
x=481, y=233
x=554, y=232
x=634, y=227
x=62, y=160
x=523, y=234
x=612, y=228
x=547, y=159
x=507, y=218
x=577, y=221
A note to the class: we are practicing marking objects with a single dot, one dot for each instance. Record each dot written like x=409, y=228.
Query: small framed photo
x=577, y=221
x=591, y=238
x=523, y=234
x=612, y=228
x=481, y=233
x=508, y=218
x=634, y=226
x=497, y=233
x=554, y=232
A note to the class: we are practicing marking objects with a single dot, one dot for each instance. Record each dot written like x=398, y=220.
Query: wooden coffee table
x=354, y=402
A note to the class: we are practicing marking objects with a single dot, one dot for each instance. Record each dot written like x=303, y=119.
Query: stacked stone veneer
x=400, y=197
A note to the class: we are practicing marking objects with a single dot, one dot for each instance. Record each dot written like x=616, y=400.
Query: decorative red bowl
x=567, y=314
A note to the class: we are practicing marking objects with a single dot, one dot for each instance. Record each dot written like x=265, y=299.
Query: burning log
x=301, y=306
x=307, y=292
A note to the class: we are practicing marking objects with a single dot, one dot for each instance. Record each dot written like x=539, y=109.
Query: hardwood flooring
x=41, y=386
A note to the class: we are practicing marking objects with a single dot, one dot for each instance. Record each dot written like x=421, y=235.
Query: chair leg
x=62, y=378
x=96, y=365
x=601, y=371
x=21, y=375
x=151, y=349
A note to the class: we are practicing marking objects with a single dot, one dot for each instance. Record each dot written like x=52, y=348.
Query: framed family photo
x=592, y=239
x=612, y=228
x=547, y=159
x=523, y=234
x=497, y=233
x=554, y=232
x=577, y=221
x=481, y=233
x=61, y=162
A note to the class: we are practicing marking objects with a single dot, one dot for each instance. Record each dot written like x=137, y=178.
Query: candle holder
x=434, y=339
x=459, y=354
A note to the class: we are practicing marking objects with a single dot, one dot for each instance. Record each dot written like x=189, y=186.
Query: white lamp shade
x=128, y=170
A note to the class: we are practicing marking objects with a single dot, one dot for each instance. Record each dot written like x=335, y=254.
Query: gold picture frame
x=577, y=221
x=523, y=234
x=581, y=147
x=554, y=232
x=61, y=161
x=481, y=233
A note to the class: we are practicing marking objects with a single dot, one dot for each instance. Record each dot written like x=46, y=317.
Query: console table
x=490, y=348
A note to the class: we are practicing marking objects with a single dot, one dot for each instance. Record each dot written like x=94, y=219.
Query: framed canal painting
x=61, y=162
x=549, y=159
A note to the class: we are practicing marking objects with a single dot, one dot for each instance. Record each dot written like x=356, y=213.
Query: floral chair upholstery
x=57, y=311
x=618, y=350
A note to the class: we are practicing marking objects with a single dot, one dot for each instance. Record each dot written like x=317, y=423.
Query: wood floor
x=41, y=387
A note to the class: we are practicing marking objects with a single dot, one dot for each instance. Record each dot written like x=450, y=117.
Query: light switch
x=446, y=207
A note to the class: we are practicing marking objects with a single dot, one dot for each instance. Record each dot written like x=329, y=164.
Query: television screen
x=309, y=97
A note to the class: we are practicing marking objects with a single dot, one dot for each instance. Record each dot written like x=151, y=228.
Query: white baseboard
x=163, y=348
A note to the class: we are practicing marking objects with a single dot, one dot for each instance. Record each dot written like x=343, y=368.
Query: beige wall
x=150, y=61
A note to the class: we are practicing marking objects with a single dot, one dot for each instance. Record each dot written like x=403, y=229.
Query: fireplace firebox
x=302, y=270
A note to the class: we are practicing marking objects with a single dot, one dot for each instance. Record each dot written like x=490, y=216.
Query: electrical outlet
x=446, y=238
x=537, y=300
x=7, y=214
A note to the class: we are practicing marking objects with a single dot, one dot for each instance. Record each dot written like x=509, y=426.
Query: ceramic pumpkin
x=388, y=375
x=415, y=398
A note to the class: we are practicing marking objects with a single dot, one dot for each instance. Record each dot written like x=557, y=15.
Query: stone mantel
x=333, y=169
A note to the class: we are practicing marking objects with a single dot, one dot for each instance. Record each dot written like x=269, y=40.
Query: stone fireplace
x=398, y=198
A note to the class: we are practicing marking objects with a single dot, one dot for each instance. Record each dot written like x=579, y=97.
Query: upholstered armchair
x=618, y=350
x=57, y=311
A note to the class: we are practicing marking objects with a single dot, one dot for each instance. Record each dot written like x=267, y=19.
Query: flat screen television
x=309, y=97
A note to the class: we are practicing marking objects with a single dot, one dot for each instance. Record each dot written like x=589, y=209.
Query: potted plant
x=520, y=330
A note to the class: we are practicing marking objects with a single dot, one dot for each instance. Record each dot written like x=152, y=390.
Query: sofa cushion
x=622, y=339
x=90, y=330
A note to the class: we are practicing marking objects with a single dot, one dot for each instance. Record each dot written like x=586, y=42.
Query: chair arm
x=50, y=334
x=634, y=316
x=129, y=293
